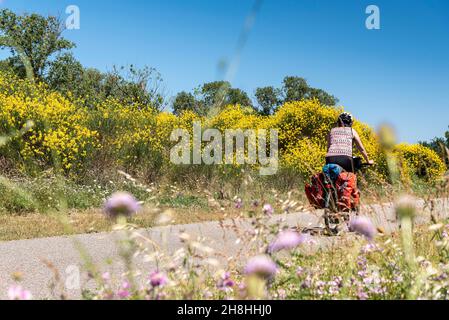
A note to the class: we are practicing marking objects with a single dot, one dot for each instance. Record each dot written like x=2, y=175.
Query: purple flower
x=363, y=226
x=299, y=271
x=106, y=276
x=268, y=209
x=307, y=283
x=18, y=293
x=124, y=292
x=158, y=279
x=225, y=281
x=287, y=240
x=121, y=204
x=361, y=262
x=238, y=203
x=362, y=295
x=338, y=282
x=370, y=247
x=261, y=266
x=282, y=294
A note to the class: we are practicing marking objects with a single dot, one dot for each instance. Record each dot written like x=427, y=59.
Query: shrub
x=59, y=135
x=15, y=199
x=136, y=137
x=421, y=161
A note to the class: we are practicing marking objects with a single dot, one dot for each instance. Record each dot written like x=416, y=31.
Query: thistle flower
x=268, y=209
x=124, y=293
x=406, y=206
x=18, y=293
x=225, y=281
x=261, y=266
x=363, y=226
x=121, y=204
x=287, y=240
x=238, y=203
x=158, y=279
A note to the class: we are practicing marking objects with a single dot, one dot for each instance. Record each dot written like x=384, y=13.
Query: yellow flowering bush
x=234, y=117
x=420, y=161
x=59, y=134
x=306, y=156
x=304, y=119
x=138, y=137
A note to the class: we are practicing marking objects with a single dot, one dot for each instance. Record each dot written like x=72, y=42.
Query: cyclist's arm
x=360, y=146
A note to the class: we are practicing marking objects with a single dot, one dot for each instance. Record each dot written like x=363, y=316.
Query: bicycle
x=334, y=215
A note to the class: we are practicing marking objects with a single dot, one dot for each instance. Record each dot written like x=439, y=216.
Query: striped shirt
x=340, y=142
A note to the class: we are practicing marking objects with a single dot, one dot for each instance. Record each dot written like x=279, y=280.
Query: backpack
x=315, y=191
x=331, y=172
x=348, y=193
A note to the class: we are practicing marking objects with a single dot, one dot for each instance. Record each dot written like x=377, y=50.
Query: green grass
x=184, y=201
x=351, y=271
x=49, y=205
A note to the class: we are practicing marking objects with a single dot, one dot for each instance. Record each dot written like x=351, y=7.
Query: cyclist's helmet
x=346, y=119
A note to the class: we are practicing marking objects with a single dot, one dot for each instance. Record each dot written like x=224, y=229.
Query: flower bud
x=406, y=207
x=387, y=137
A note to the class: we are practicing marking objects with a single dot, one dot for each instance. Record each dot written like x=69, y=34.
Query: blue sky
x=398, y=74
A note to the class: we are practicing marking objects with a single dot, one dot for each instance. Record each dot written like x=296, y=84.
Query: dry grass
x=35, y=225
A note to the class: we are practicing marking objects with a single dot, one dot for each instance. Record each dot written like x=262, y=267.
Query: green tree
x=220, y=94
x=66, y=74
x=92, y=84
x=238, y=96
x=133, y=85
x=129, y=85
x=32, y=40
x=13, y=65
x=268, y=98
x=295, y=89
x=322, y=96
x=217, y=94
x=185, y=101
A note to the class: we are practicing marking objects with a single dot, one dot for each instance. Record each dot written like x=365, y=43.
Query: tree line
x=221, y=93
x=39, y=52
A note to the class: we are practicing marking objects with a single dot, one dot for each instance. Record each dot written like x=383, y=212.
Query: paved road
x=28, y=256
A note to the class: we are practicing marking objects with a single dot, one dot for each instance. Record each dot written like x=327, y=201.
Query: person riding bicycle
x=340, y=141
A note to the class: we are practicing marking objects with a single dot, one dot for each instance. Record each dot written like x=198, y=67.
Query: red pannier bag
x=315, y=191
x=348, y=193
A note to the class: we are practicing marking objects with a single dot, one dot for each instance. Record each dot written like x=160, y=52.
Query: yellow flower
x=68, y=132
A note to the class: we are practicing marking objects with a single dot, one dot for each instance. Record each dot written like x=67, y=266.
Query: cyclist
x=340, y=144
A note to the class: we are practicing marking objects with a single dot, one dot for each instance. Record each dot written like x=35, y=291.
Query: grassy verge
x=352, y=268
x=36, y=225
x=48, y=206
x=358, y=270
